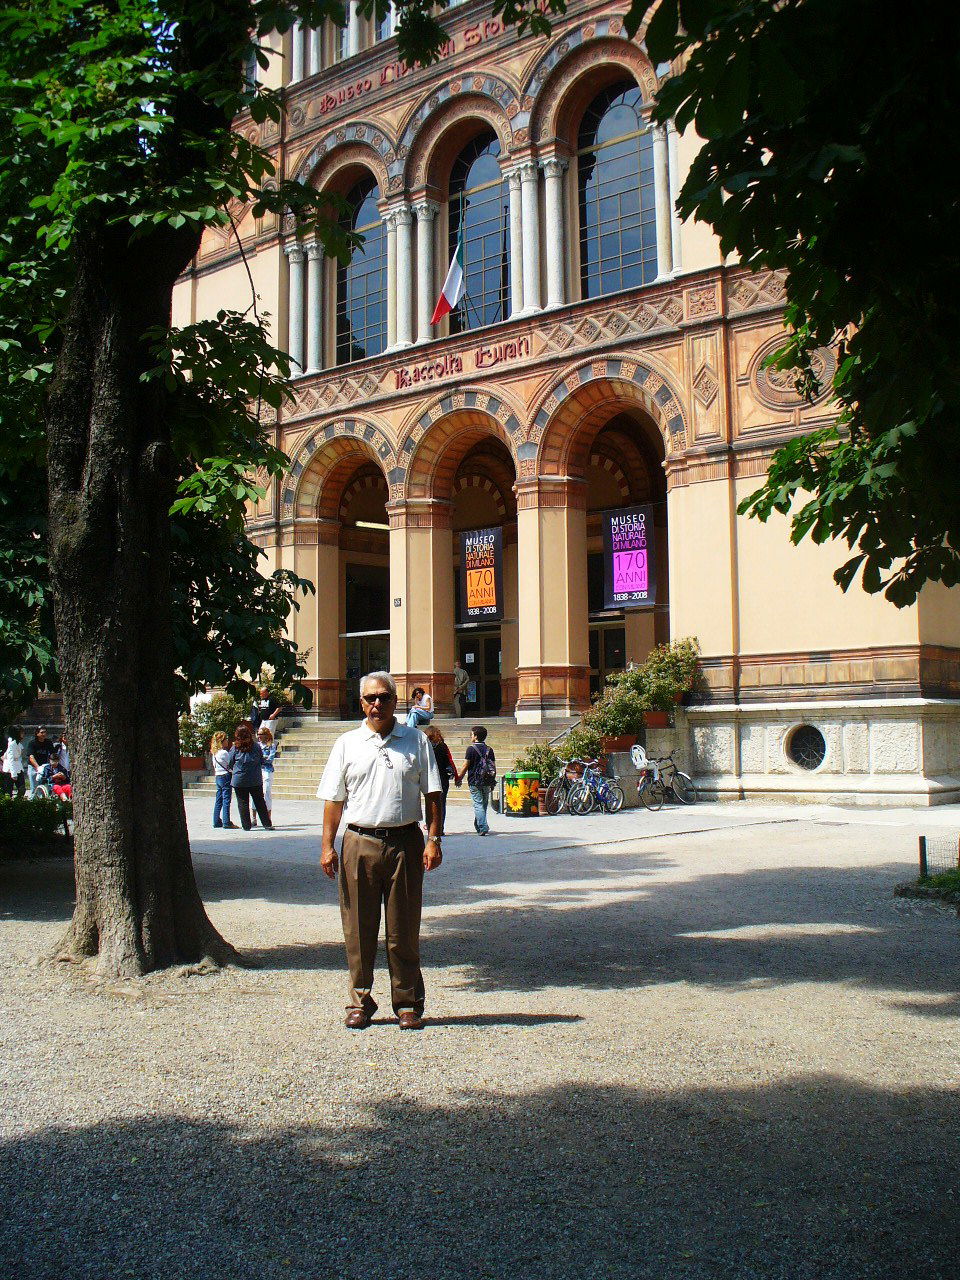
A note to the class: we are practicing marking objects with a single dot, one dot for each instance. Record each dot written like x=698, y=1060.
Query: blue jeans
x=221, y=801
x=481, y=798
x=416, y=717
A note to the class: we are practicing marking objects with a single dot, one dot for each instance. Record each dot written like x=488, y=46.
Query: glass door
x=480, y=656
x=608, y=646
x=365, y=653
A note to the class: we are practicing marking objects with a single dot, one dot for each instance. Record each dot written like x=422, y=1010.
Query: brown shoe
x=358, y=1019
x=410, y=1021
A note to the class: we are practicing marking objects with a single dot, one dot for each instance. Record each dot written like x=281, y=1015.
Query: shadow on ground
x=815, y=1180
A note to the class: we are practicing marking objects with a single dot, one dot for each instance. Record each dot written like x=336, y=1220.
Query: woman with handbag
x=445, y=767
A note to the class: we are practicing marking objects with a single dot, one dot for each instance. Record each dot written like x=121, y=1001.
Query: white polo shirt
x=381, y=779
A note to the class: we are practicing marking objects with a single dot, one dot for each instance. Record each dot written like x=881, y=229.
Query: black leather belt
x=380, y=833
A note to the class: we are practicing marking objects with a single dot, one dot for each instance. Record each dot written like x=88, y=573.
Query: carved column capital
x=426, y=210
x=527, y=170
x=553, y=166
x=314, y=250
x=294, y=252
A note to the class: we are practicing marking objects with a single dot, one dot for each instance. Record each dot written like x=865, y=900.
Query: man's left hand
x=432, y=855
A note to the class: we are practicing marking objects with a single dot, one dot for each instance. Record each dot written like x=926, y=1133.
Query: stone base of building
x=551, y=693
x=875, y=752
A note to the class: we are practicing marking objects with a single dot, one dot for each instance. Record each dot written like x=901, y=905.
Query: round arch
x=574, y=80
x=443, y=434
x=434, y=146
x=325, y=462
x=568, y=415
x=361, y=142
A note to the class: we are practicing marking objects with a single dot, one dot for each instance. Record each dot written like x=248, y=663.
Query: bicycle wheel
x=650, y=793
x=581, y=799
x=555, y=796
x=684, y=788
x=613, y=798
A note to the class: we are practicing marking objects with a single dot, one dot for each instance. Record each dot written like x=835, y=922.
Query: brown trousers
x=388, y=872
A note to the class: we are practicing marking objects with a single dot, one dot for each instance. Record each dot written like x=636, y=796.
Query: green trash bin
x=521, y=794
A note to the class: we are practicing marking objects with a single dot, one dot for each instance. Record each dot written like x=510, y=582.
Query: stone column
x=316, y=51
x=673, y=164
x=421, y=580
x=531, y=237
x=553, y=672
x=391, y=225
x=556, y=243
x=314, y=306
x=516, y=244
x=426, y=211
x=296, y=52
x=295, y=255
x=317, y=626
x=353, y=29
x=661, y=191
x=404, y=219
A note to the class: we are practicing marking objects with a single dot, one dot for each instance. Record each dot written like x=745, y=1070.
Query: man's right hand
x=328, y=861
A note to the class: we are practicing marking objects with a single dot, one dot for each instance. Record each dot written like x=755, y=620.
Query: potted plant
x=660, y=699
x=192, y=745
x=675, y=664
x=617, y=717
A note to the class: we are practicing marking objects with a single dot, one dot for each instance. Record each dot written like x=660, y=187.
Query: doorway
x=481, y=657
x=608, y=646
x=365, y=653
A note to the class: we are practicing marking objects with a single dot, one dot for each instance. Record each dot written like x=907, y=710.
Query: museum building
x=602, y=359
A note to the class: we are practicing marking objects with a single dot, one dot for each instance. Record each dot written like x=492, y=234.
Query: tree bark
x=111, y=482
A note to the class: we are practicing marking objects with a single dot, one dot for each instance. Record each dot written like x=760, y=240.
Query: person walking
x=461, y=681
x=445, y=767
x=222, y=780
x=480, y=770
x=245, y=761
x=11, y=766
x=269, y=749
x=421, y=709
x=374, y=778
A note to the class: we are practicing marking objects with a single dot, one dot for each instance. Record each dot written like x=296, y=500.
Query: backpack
x=488, y=767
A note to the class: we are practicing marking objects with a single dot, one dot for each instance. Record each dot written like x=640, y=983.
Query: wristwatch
x=437, y=840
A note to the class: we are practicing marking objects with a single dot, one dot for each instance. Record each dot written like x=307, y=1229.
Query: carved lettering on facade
x=498, y=353
x=430, y=371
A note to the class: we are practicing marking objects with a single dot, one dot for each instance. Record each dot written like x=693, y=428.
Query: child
x=219, y=747
x=269, y=749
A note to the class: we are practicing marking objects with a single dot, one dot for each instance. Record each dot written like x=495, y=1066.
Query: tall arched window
x=618, y=230
x=478, y=197
x=361, y=305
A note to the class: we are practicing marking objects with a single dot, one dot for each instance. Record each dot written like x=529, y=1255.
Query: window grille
x=361, y=297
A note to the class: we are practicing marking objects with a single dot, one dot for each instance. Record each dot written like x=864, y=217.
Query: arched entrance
x=483, y=498
x=341, y=542
x=624, y=468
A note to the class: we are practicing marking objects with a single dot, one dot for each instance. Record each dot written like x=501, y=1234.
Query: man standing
x=379, y=772
x=265, y=709
x=461, y=680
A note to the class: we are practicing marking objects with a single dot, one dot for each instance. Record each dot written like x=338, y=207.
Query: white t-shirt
x=381, y=779
x=13, y=758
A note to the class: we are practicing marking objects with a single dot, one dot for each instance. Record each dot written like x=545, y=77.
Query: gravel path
x=706, y=1043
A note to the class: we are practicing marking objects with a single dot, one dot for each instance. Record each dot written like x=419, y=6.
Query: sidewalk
x=704, y=1043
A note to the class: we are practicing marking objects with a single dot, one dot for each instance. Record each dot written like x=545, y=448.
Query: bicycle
x=594, y=790
x=676, y=784
x=556, y=795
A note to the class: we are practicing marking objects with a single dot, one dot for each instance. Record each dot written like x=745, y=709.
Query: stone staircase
x=305, y=746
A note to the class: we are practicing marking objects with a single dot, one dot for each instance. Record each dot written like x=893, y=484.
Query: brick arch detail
x=368, y=480
x=443, y=435
x=318, y=457
x=593, y=387
x=368, y=141
x=421, y=144
x=605, y=463
x=568, y=62
x=476, y=480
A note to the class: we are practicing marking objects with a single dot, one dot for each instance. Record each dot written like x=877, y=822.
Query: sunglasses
x=377, y=697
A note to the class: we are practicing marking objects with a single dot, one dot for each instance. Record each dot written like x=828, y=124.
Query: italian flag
x=453, y=285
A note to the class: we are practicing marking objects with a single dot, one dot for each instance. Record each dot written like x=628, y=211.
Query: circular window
x=807, y=747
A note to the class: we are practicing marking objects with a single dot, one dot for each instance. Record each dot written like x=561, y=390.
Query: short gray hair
x=383, y=676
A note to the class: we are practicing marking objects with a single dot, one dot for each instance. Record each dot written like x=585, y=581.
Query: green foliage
x=581, y=743
x=668, y=672
x=823, y=159
x=221, y=714
x=540, y=758
x=26, y=823
x=616, y=713
x=948, y=881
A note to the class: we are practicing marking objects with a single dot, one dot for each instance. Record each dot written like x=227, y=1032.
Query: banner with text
x=481, y=575
x=629, y=563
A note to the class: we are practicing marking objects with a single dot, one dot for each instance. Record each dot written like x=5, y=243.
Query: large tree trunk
x=111, y=484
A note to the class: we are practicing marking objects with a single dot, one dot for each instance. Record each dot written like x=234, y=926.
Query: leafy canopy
x=825, y=157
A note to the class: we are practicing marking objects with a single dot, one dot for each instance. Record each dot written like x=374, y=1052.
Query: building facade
x=603, y=356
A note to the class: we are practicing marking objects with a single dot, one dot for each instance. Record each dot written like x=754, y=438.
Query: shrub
x=581, y=743
x=221, y=714
x=192, y=741
x=540, y=758
x=30, y=822
x=618, y=713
